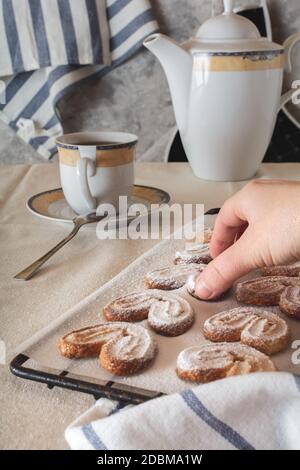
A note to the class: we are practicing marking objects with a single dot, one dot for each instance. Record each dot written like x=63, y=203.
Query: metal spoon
x=78, y=222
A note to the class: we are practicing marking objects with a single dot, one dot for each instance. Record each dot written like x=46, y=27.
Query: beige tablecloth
x=32, y=416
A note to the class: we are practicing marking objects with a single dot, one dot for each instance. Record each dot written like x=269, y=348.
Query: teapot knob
x=228, y=6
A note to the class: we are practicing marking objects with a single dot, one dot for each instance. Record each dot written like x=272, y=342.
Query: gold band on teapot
x=238, y=63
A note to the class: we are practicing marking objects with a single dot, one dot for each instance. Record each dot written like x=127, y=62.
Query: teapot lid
x=228, y=26
x=231, y=32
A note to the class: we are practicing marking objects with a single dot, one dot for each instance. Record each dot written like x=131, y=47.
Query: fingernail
x=202, y=290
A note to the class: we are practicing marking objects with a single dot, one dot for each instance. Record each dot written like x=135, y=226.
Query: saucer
x=51, y=205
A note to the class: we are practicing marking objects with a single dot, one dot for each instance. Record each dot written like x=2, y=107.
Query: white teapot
x=226, y=86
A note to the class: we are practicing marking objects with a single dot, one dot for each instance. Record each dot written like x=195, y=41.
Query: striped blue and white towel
x=49, y=46
x=257, y=411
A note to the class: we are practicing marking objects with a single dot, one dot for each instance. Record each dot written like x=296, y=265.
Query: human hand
x=259, y=226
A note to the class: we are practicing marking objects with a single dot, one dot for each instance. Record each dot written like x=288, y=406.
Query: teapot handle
x=288, y=48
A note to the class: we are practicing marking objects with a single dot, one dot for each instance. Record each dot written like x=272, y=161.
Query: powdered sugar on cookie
x=124, y=349
x=135, y=342
x=254, y=327
x=131, y=307
x=211, y=362
x=171, y=316
x=194, y=253
x=264, y=290
x=290, y=302
x=173, y=277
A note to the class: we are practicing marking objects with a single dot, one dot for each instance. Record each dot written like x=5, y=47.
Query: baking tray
x=38, y=359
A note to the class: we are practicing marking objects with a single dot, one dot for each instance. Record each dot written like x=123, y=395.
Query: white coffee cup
x=96, y=168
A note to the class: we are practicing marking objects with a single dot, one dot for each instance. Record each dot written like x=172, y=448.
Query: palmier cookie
x=124, y=349
x=167, y=314
x=205, y=237
x=211, y=362
x=254, y=327
x=264, y=290
x=196, y=253
x=171, y=316
x=287, y=271
x=132, y=307
x=290, y=302
x=173, y=277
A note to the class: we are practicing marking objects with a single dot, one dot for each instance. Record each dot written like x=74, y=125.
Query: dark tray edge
x=63, y=379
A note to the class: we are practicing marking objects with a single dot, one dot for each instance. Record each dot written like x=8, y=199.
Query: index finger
x=230, y=224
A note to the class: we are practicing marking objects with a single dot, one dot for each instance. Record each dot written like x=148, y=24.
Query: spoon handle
x=30, y=271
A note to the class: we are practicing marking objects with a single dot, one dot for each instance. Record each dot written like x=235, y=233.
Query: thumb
x=223, y=271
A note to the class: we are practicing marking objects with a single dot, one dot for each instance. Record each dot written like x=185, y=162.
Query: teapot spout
x=177, y=64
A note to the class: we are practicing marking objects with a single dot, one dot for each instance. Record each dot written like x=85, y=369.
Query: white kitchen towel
x=256, y=411
x=49, y=46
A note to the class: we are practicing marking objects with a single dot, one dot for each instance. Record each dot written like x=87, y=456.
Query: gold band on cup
x=104, y=158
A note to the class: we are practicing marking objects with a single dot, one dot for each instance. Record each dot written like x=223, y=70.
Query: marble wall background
x=135, y=97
